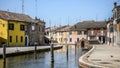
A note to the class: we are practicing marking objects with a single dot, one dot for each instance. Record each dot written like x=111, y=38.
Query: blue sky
x=62, y=12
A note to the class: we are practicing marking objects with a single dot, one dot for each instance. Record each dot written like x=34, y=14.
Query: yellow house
x=16, y=33
x=12, y=28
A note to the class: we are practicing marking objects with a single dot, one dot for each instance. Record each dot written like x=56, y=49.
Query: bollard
x=75, y=47
x=35, y=47
x=67, y=52
x=4, y=65
x=52, y=64
x=4, y=53
x=52, y=53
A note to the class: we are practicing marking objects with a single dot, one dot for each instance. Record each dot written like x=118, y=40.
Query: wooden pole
x=75, y=47
x=4, y=53
x=35, y=47
x=52, y=53
x=67, y=52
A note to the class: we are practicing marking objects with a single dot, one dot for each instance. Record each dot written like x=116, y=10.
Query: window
x=33, y=27
x=92, y=31
x=10, y=38
x=21, y=39
x=70, y=39
x=39, y=28
x=16, y=38
x=70, y=32
x=3, y=25
x=101, y=30
x=11, y=26
x=25, y=28
x=22, y=27
x=77, y=39
x=111, y=29
x=65, y=39
x=79, y=32
x=85, y=32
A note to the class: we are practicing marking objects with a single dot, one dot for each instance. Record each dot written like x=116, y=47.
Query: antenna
x=22, y=6
x=7, y=9
x=96, y=17
x=68, y=21
x=36, y=7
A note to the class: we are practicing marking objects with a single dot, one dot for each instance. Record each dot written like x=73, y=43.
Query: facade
x=113, y=26
x=89, y=30
x=98, y=31
x=16, y=33
x=58, y=34
x=3, y=31
x=35, y=32
x=50, y=33
x=15, y=29
x=77, y=35
x=63, y=34
x=13, y=33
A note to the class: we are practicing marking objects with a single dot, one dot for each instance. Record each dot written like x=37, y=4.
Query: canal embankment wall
x=13, y=51
x=85, y=63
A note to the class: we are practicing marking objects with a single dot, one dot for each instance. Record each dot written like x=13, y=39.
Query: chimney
x=115, y=4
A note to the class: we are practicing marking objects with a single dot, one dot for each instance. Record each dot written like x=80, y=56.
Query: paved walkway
x=102, y=56
x=11, y=50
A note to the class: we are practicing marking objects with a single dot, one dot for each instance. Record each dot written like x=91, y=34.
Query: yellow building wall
x=64, y=36
x=16, y=32
x=3, y=31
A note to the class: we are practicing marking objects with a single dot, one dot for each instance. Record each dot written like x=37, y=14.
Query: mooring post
x=67, y=50
x=52, y=53
x=52, y=64
x=4, y=53
x=75, y=47
x=35, y=44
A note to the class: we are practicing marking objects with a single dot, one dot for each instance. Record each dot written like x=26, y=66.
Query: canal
x=62, y=59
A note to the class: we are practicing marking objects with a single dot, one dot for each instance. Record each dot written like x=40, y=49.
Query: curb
x=84, y=63
x=29, y=51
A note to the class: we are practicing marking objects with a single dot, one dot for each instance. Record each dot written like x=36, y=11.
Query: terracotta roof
x=15, y=16
x=63, y=28
x=58, y=29
x=89, y=24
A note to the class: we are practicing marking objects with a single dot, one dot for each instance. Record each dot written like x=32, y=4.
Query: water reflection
x=52, y=64
x=63, y=58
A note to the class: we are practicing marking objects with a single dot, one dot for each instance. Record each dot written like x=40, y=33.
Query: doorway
x=26, y=40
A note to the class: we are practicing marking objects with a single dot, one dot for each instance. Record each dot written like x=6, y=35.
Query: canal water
x=62, y=59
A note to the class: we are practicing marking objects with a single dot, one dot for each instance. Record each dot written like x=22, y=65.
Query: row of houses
x=58, y=34
x=89, y=30
x=20, y=29
x=107, y=32
x=113, y=25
